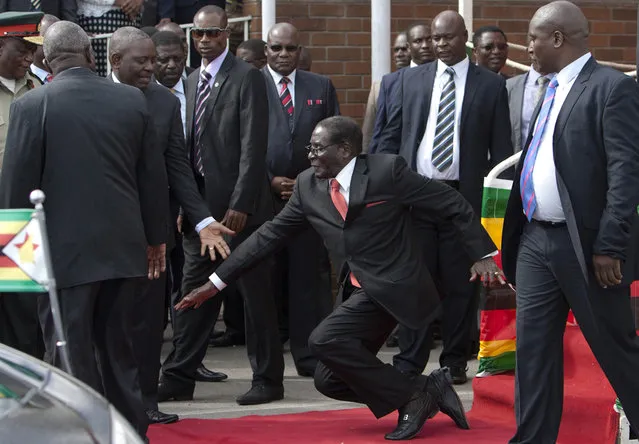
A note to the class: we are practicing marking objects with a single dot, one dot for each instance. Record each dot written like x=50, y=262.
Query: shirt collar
x=570, y=72
x=344, y=177
x=115, y=78
x=277, y=77
x=39, y=72
x=413, y=64
x=214, y=65
x=178, y=87
x=459, y=68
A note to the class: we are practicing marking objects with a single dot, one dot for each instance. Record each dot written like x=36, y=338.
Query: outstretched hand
x=198, y=296
x=212, y=240
x=488, y=271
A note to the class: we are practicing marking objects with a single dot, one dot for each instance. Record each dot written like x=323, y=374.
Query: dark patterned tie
x=542, y=84
x=285, y=96
x=442, y=155
x=203, y=93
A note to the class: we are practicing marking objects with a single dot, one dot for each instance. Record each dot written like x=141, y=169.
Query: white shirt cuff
x=217, y=282
x=203, y=224
x=493, y=254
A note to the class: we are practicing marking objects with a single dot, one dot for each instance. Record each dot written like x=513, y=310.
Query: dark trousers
x=19, y=325
x=97, y=320
x=192, y=327
x=175, y=264
x=549, y=283
x=147, y=334
x=449, y=266
x=234, y=312
x=346, y=344
x=303, y=292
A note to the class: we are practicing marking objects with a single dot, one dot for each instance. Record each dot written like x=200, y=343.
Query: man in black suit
x=131, y=53
x=447, y=119
x=107, y=207
x=227, y=124
x=298, y=100
x=571, y=228
x=363, y=207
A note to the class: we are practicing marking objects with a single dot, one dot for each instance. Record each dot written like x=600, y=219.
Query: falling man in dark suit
x=298, y=100
x=363, y=207
x=571, y=229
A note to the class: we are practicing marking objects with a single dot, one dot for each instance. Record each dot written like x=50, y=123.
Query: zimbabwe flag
x=22, y=266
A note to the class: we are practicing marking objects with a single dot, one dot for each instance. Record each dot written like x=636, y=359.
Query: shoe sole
x=259, y=402
x=167, y=421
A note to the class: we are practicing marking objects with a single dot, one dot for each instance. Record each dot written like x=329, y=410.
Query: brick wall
x=338, y=33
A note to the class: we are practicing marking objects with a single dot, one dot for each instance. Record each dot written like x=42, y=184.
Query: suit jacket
x=377, y=240
x=384, y=101
x=92, y=151
x=235, y=138
x=369, y=116
x=484, y=125
x=63, y=9
x=516, y=87
x=315, y=100
x=596, y=152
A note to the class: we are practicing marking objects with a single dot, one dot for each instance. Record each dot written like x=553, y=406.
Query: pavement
x=217, y=399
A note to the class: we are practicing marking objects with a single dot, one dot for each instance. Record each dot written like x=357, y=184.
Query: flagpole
x=37, y=198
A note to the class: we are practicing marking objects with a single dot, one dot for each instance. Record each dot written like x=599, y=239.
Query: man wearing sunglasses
x=298, y=100
x=227, y=132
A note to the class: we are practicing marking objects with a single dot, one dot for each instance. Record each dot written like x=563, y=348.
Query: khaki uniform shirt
x=7, y=96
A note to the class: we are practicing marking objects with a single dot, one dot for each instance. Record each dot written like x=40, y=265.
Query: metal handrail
x=246, y=20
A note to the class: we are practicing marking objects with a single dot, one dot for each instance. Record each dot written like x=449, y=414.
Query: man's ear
x=45, y=62
x=115, y=59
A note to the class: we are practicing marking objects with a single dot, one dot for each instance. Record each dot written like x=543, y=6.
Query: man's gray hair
x=64, y=38
x=124, y=38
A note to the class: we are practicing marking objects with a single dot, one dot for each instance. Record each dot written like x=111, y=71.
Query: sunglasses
x=500, y=46
x=211, y=33
x=279, y=48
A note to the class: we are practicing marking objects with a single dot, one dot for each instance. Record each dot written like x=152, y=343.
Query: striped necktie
x=542, y=82
x=36, y=4
x=442, y=155
x=285, y=96
x=525, y=181
x=340, y=203
x=203, y=93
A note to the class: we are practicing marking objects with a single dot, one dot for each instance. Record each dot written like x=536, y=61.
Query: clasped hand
x=488, y=271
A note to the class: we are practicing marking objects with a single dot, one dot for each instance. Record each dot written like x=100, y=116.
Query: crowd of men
x=167, y=185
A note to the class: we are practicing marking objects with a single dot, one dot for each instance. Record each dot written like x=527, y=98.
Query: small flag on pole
x=22, y=262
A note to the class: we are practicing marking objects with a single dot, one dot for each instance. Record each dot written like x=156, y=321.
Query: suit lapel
x=359, y=184
x=218, y=82
x=427, y=79
x=575, y=92
x=300, y=96
x=190, y=92
x=274, y=95
x=518, y=107
x=472, y=82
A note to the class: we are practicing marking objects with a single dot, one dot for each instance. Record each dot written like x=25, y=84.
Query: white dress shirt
x=544, y=174
x=425, y=166
x=214, y=67
x=204, y=222
x=40, y=73
x=178, y=91
x=278, y=77
x=344, y=177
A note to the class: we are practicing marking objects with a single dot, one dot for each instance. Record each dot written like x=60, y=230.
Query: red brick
x=346, y=82
x=428, y=12
x=346, y=24
x=341, y=97
x=251, y=9
x=626, y=14
x=403, y=11
x=604, y=28
x=328, y=68
x=305, y=39
x=366, y=25
x=595, y=13
x=318, y=53
x=358, y=38
x=294, y=9
x=308, y=24
x=621, y=41
x=326, y=10
x=358, y=11
x=629, y=27
x=599, y=41
x=366, y=53
x=354, y=110
x=343, y=53
x=357, y=95
x=357, y=67
x=329, y=38
x=629, y=54
x=610, y=55
x=514, y=12
x=509, y=26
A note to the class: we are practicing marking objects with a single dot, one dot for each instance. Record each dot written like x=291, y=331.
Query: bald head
x=449, y=37
x=283, y=30
x=124, y=38
x=66, y=45
x=46, y=22
x=172, y=27
x=283, y=48
x=558, y=35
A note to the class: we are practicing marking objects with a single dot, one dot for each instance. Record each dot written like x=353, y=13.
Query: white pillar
x=268, y=17
x=380, y=38
x=466, y=11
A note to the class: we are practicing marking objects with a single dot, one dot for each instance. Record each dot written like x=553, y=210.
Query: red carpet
x=588, y=416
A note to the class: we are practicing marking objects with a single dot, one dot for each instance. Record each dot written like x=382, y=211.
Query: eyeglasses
x=318, y=150
x=279, y=48
x=499, y=46
x=211, y=33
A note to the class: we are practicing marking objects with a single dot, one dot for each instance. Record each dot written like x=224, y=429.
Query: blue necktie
x=525, y=181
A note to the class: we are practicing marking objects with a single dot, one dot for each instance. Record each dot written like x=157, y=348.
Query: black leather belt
x=548, y=224
x=451, y=183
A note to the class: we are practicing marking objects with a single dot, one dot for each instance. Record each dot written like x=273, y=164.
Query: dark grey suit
x=92, y=151
x=484, y=131
x=596, y=156
x=302, y=279
x=377, y=243
x=234, y=142
x=516, y=87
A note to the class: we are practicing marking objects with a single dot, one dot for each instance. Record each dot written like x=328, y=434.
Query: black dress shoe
x=203, y=374
x=227, y=340
x=458, y=374
x=440, y=386
x=173, y=390
x=157, y=417
x=413, y=416
x=261, y=394
x=306, y=372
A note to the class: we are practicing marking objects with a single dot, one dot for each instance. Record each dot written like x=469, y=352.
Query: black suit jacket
x=596, y=152
x=377, y=240
x=92, y=151
x=235, y=137
x=63, y=9
x=484, y=124
x=315, y=100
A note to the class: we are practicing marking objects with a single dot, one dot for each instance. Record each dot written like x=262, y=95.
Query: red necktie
x=285, y=96
x=342, y=208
